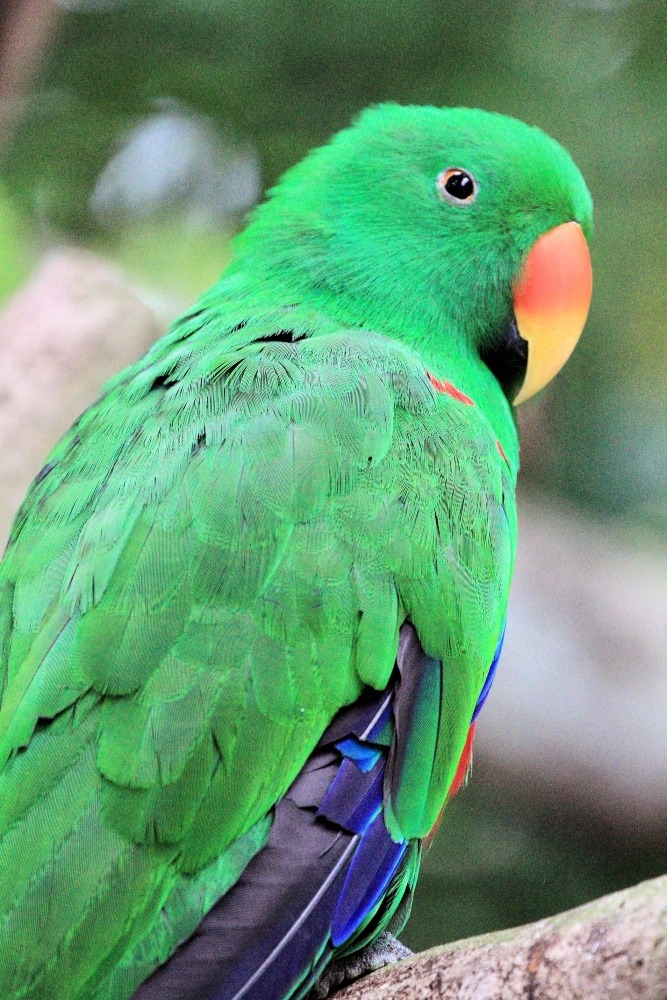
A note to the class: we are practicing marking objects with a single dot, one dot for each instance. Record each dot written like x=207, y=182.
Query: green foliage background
x=285, y=75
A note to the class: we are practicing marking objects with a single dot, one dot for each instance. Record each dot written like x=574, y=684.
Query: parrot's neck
x=445, y=351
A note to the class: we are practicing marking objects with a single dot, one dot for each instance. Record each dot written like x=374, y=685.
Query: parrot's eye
x=457, y=186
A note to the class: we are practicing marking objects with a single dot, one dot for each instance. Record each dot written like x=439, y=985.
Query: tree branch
x=614, y=948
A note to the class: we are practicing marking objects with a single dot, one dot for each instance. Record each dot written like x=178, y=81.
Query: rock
x=73, y=325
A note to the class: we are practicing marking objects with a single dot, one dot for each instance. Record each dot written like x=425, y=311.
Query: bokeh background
x=134, y=136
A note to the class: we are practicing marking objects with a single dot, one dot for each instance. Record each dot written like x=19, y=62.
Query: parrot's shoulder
x=208, y=386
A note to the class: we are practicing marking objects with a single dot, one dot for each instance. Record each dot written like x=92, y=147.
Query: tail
x=329, y=879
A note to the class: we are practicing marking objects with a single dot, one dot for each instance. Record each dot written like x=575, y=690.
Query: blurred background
x=133, y=138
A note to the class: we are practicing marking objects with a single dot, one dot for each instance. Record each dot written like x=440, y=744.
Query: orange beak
x=551, y=301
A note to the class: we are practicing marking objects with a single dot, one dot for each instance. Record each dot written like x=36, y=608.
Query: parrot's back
x=203, y=574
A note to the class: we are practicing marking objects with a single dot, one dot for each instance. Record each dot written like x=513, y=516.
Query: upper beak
x=551, y=301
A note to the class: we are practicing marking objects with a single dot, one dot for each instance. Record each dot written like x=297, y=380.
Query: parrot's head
x=457, y=229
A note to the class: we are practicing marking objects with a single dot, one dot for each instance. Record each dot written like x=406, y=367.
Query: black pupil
x=459, y=185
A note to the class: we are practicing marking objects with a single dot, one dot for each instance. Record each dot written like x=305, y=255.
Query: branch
x=614, y=948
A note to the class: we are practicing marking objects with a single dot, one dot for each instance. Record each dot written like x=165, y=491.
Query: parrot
x=254, y=601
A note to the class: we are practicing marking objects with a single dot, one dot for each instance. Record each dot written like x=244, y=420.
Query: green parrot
x=254, y=600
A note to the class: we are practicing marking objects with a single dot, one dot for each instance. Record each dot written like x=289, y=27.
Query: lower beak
x=551, y=301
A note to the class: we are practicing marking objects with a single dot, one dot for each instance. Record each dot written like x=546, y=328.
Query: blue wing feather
x=372, y=868
x=486, y=687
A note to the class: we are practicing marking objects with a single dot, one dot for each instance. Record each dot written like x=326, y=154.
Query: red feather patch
x=464, y=764
x=450, y=389
x=501, y=451
x=458, y=781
